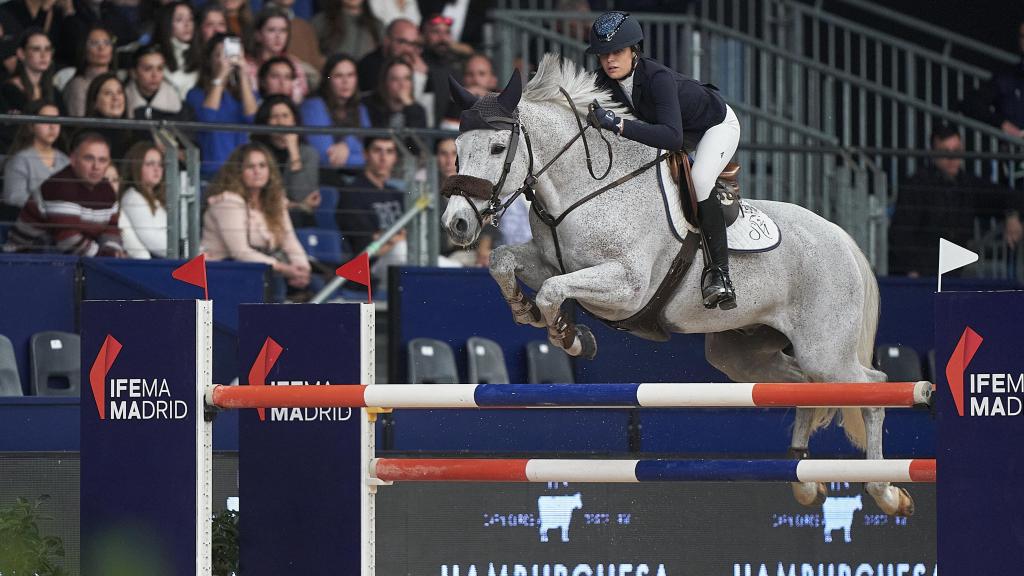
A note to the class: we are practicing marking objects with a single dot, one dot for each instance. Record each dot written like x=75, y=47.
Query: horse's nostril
x=461, y=225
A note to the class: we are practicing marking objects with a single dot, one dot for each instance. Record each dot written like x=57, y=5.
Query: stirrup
x=717, y=294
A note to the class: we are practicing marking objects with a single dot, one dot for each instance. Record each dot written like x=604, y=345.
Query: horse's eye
x=497, y=148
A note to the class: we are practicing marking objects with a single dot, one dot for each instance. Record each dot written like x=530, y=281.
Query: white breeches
x=714, y=151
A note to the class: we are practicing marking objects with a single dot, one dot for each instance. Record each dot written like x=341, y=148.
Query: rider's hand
x=606, y=119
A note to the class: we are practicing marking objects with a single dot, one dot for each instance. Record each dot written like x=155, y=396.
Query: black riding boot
x=716, y=286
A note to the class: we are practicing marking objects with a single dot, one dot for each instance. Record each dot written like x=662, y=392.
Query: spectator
x=175, y=37
x=276, y=76
x=443, y=56
x=149, y=94
x=143, y=219
x=20, y=16
x=447, y=157
x=1001, y=102
x=270, y=40
x=239, y=18
x=478, y=75
x=369, y=206
x=387, y=11
x=221, y=95
x=401, y=40
x=297, y=161
x=469, y=18
x=338, y=105
x=33, y=77
x=212, y=20
x=105, y=99
x=34, y=158
x=87, y=14
x=393, y=104
x=76, y=211
x=305, y=43
x=95, y=58
x=944, y=200
x=348, y=27
x=247, y=219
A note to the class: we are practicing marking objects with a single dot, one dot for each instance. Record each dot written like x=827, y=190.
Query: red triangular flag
x=193, y=272
x=357, y=270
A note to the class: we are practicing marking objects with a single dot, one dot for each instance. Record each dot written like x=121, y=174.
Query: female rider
x=674, y=112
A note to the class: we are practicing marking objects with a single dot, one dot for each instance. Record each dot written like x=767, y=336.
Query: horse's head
x=492, y=162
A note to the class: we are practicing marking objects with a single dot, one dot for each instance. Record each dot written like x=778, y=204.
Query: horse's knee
x=503, y=262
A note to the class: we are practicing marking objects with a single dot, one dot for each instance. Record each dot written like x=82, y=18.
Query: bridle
x=472, y=187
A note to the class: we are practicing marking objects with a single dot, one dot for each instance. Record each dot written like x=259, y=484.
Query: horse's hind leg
x=757, y=356
x=891, y=499
x=522, y=260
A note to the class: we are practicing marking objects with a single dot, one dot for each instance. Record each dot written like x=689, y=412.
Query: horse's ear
x=509, y=97
x=464, y=98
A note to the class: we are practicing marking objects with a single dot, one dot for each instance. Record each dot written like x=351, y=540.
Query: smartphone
x=232, y=47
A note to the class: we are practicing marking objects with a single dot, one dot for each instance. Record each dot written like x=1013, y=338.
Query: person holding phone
x=223, y=95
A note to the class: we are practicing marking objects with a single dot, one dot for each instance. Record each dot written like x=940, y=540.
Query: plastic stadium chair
x=56, y=364
x=486, y=361
x=900, y=363
x=321, y=244
x=325, y=213
x=546, y=364
x=10, y=381
x=431, y=362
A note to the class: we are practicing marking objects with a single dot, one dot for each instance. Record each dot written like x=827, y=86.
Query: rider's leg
x=714, y=151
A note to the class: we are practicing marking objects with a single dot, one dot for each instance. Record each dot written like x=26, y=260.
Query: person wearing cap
x=673, y=112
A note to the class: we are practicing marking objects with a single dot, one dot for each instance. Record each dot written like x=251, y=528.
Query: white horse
x=808, y=310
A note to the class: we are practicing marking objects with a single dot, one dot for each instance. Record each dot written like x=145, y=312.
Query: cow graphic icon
x=556, y=513
x=838, y=514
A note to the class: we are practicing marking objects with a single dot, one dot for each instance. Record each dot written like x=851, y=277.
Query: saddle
x=648, y=321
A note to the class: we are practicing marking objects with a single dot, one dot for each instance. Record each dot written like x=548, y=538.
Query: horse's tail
x=853, y=418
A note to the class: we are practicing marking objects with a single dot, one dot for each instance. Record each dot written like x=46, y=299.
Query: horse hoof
x=807, y=496
x=906, y=507
x=587, y=341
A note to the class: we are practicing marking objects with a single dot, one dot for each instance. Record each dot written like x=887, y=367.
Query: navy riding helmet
x=614, y=31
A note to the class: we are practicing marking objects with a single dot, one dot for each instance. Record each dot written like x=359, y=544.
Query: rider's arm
x=667, y=131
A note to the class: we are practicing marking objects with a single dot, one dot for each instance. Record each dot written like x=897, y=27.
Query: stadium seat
x=431, y=362
x=56, y=364
x=324, y=245
x=900, y=363
x=546, y=364
x=10, y=381
x=328, y=209
x=486, y=361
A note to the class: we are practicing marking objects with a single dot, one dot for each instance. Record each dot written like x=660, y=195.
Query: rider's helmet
x=614, y=31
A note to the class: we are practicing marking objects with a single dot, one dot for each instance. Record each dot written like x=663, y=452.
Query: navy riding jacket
x=673, y=110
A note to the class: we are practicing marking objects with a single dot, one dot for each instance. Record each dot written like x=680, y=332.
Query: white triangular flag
x=953, y=256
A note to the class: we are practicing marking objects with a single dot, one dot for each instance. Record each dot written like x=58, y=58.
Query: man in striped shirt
x=76, y=209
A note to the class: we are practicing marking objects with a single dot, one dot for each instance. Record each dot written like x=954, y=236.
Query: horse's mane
x=554, y=72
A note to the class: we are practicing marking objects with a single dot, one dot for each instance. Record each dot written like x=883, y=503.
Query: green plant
x=225, y=543
x=24, y=551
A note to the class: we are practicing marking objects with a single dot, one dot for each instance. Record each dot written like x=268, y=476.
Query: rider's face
x=617, y=65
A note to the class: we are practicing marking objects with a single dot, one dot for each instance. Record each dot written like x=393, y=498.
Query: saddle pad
x=753, y=230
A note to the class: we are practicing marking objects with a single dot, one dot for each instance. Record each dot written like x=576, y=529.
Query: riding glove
x=605, y=118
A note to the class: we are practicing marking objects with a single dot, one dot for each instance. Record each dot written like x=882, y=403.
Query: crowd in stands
x=100, y=191
x=343, y=64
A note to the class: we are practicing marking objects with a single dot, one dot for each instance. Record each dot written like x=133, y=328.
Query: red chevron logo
x=265, y=361
x=962, y=355
x=98, y=373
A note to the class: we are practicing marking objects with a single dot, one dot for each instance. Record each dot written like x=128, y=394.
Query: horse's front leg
x=522, y=261
x=606, y=286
